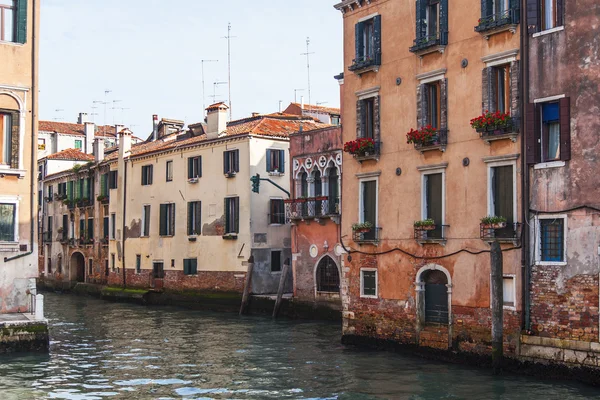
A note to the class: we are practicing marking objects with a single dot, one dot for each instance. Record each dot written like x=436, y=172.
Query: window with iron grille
x=552, y=240
x=328, y=276
x=276, y=212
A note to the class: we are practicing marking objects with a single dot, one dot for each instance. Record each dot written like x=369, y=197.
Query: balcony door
x=369, y=207
x=433, y=204
x=502, y=198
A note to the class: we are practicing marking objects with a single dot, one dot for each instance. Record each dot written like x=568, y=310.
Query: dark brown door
x=158, y=273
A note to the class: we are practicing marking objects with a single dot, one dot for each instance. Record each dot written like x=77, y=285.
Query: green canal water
x=101, y=350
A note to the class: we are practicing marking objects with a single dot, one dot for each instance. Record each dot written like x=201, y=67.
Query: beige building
x=19, y=31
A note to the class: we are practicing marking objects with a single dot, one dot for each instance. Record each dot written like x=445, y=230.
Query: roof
x=67, y=128
x=296, y=109
x=71, y=155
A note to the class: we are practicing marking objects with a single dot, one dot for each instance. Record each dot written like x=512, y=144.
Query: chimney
x=302, y=102
x=118, y=128
x=82, y=118
x=90, y=132
x=99, y=149
x=216, y=120
x=154, y=127
x=280, y=106
x=255, y=114
x=124, y=143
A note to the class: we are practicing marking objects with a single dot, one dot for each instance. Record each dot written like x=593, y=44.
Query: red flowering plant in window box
x=493, y=122
x=360, y=147
x=426, y=135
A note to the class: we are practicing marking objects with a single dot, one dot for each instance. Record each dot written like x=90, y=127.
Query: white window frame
x=368, y=178
x=167, y=169
x=514, y=279
x=538, y=239
x=424, y=173
x=362, y=289
x=490, y=194
x=13, y=200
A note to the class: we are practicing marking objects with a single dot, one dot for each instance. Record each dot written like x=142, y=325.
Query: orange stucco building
x=403, y=279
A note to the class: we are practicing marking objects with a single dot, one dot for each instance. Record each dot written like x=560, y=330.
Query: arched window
x=436, y=296
x=303, y=184
x=328, y=276
x=333, y=190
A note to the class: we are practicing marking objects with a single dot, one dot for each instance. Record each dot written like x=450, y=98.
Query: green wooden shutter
x=70, y=190
x=86, y=186
x=190, y=167
x=90, y=229
x=281, y=161
x=81, y=228
x=533, y=16
x=163, y=220
x=103, y=185
x=421, y=30
x=516, y=11
x=565, y=128
x=199, y=161
x=194, y=266
x=21, y=28
x=172, y=230
x=105, y=233
x=236, y=161
x=269, y=163
x=190, y=228
x=227, y=216
x=186, y=266
x=237, y=214
x=226, y=168
x=198, y=216
x=358, y=40
x=443, y=22
x=487, y=8
x=377, y=39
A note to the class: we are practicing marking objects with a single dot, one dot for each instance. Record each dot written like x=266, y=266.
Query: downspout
x=124, y=221
x=32, y=199
x=524, y=89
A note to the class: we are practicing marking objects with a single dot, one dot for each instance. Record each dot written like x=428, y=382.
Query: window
x=433, y=112
x=328, y=276
x=158, y=270
x=49, y=229
x=13, y=21
x=333, y=190
x=105, y=228
x=147, y=175
x=194, y=167
x=50, y=191
x=501, y=88
x=549, y=131
x=552, y=240
x=275, y=160
x=65, y=227
x=549, y=14
x=167, y=219
x=276, y=212
x=82, y=228
x=49, y=265
x=194, y=226
x=368, y=283
x=146, y=220
x=232, y=215
x=432, y=25
x=112, y=179
x=231, y=161
x=106, y=268
x=113, y=226
x=41, y=144
x=367, y=118
x=90, y=267
x=499, y=6
x=113, y=264
x=368, y=207
x=502, y=199
x=78, y=144
x=62, y=188
x=169, y=171
x=8, y=222
x=6, y=130
x=104, y=184
x=138, y=263
x=90, y=228
x=276, y=261
x=508, y=291
x=368, y=43
x=433, y=199
x=432, y=22
x=190, y=266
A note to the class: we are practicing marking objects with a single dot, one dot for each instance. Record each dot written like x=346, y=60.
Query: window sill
x=441, y=242
x=510, y=308
x=551, y=263
x=490, y=137
x=9, y=171
x=548, y=31
x=166, y=236
x=230, y=175
x=12, y=43
x=276, y=174
x=424, y=50
x=549, y=164
x=230, y=236
x=359, y=71
x=364, y=296
x=487, y=33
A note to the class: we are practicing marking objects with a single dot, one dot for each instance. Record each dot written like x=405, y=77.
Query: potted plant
x=493, y=122
x=362, y=227
x=361, y=147
x=102, y=197
x=424, y=136
x=493, y=222
x=425, y=224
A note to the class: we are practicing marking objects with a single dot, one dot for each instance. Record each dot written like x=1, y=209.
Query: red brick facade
x=176, y=280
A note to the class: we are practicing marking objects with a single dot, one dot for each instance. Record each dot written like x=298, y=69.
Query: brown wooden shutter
x=560, y=12
x=533, y=134
x=565, y=128
x=444, y=104
x=533, y=16
x=360, y=119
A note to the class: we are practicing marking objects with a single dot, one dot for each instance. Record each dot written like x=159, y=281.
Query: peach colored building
x=405, y=280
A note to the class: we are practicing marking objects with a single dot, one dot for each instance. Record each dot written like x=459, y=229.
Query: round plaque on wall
x=314, y=251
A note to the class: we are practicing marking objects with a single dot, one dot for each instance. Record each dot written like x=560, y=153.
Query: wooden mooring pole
x=497, y=306
x=284, y=273
x=247, y=283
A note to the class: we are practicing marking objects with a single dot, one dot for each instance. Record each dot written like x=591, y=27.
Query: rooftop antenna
x=106, y=92
x=102, y=102
x=321, y=102
x=307, y=54
x=203, y=96
x=215, y=84
x=114, y=107
x=295, y=94
x=57, y=111
x=229, y=37
x=93, y=112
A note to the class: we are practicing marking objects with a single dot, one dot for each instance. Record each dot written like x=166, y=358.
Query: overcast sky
x=149, y=52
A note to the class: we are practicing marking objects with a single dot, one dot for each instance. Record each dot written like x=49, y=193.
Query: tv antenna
x=307, y=54
x=229, y=37
x=295, y=94
x=106, y=92
x=214, y=95
x=57, y=111
x=114, y=107
x=203, y=95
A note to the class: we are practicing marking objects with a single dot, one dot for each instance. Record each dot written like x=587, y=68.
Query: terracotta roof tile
x=295, y=108
x=74, y=129
x=72, y=155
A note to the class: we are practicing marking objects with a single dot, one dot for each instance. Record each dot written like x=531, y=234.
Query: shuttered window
x=147, y=175
x=548, y=131
x=146, y=220
x=113, y=225
x=105, y=228
x=90, y=228
x=112, y=179
x=104, y=184
x=276, y=211
x=431, y=24
x=369, y=207
x=231, y=161
x=544, y=14
x=194, y=167
x=367, y=114
x=275, y=160
x=167, y=219
x=65, y=227
x=368, y=42
x=194, y=223
x=7, y=222
x=433, y=197
x=232, y=215
x=190, y=266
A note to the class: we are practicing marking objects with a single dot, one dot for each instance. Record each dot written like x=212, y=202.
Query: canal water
x=101, y=350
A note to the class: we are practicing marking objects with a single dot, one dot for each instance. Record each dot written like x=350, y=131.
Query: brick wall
x=564, y=309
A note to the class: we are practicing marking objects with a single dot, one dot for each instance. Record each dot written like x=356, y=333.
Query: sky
x=148, y=54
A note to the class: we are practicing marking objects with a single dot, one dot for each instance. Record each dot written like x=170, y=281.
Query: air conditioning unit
x=193, y=180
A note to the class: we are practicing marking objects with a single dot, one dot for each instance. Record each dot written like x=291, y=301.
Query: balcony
x=364, y=64
x=510, y=131
x=47, y=237
x=370, y=236
x=84, y=202
x=103, y=199
x=503, y=233
x=369, y=155
x=432, y=234
x=430, y=44
x=498, y=22
x=439, y=141
x=311, y=208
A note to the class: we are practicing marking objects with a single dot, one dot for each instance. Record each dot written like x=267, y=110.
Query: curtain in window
x=7, y=222
x=548, y=14
x=553, y=141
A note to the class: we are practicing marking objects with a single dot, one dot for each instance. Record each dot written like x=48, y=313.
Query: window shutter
x=227, y=216
x=377, y=38
x=190, y=167
x=560, y=12
x=533, y=134
x=515, y=74
x=194, y=266
x=269, y=163
x=358, y=36
x=85, y=188
x=487, y=8
x=444, y=22
x=103, y=184
x=486, y=83
x=21, y=31
x=237, y=215
x=198, y=227
x=163, y=219
x=172, y=230
x=421, y=12
x=516, y=11
x=533, y=16
x=225, y=162
x=150, y=174
x=189, y=218
x=199, y=161
x=281, y=161
x=105, y=227
x=360, y=119
x=186, y=267
x=565, y=128
x=444, y=103
x=236, y=161
x=90, y=229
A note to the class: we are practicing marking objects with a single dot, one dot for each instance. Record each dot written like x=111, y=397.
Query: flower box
x=492, y=122
x=360, y=147
x=497, y=225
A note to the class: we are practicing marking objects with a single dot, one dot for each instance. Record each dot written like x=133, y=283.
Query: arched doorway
x=77, y=267
x=436, y=296
x=327, y=276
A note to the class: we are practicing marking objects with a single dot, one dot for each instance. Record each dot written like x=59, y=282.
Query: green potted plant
x=362, y=227
x=425, y=224
x=493, y=222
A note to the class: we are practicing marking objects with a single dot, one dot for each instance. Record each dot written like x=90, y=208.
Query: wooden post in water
x=497, y=306
x=247, y=285
x=284, y=272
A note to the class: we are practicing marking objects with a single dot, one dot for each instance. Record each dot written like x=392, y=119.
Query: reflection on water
x=103, y=350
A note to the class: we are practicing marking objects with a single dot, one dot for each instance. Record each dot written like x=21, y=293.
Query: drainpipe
x=32, y=172
x=124, y=222
x=524, y=89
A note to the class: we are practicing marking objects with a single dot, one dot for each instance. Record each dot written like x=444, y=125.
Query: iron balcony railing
x=490, y=132
x=364, y=62
x=312, y=207
x=439, y=139
x=424, y=42
x=373, y=235
x=508, y=233
x=47, y=236
x=433, y=232
x=499, y=19
x=370, y=155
